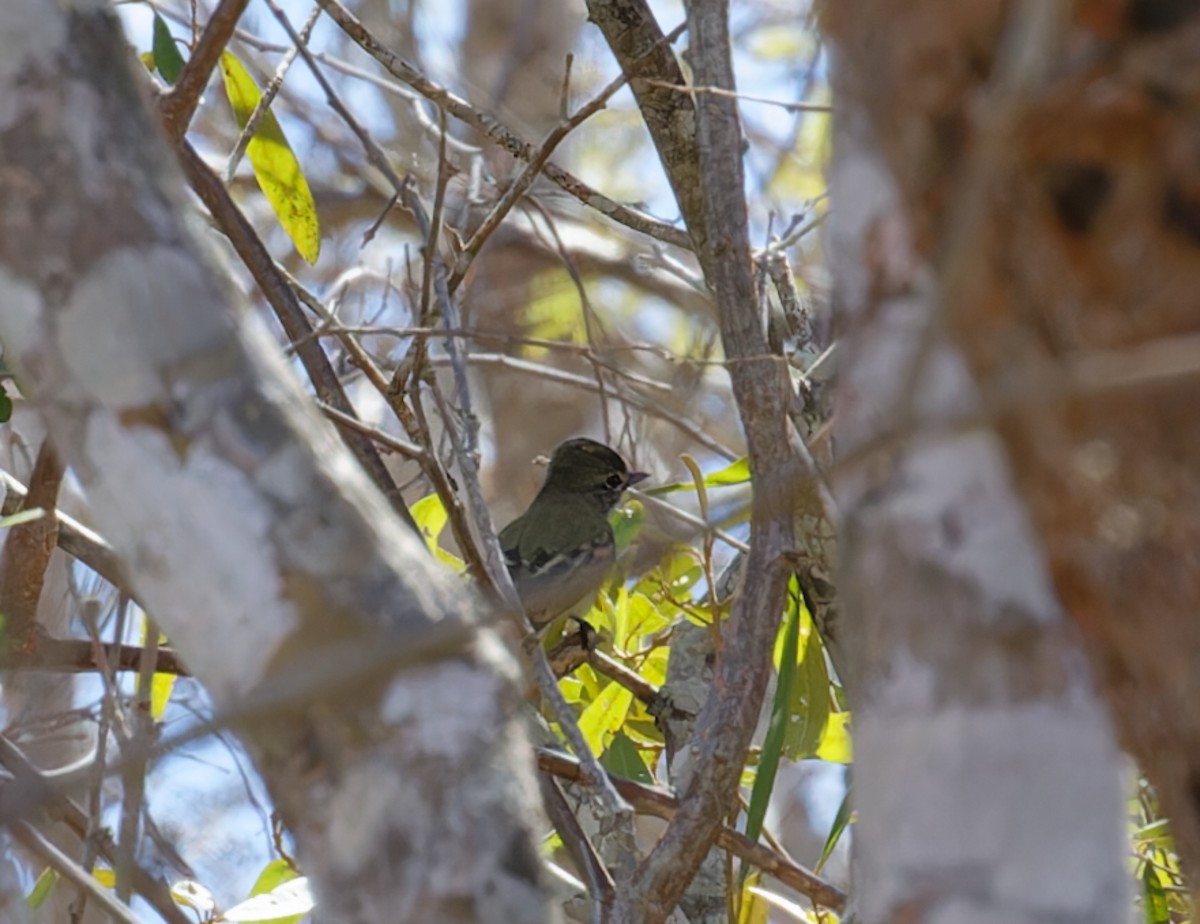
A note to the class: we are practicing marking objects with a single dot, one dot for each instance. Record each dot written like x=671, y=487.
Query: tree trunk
x=986, y=779
x=379, y=713
x=1053, y=183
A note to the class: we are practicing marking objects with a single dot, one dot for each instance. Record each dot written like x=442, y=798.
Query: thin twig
x=404, y=447
x=533, y=167
x=558, y=376
x=29, y=838
x=462, y=110
x=745, y=97
x=28, y=778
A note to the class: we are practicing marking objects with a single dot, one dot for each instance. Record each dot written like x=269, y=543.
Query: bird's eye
x=614, y=481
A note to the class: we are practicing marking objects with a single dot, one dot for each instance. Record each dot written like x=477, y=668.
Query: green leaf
x=643, y=619
x=167, y=58
x=737, y=472
x=840, y=820
x=274, y=874
x=781, y=711
x=622, y=758
x=275, y=166
x=1155, y=897
x=809, y=703
x=6, y=405
x=42, y=888
x=626, y=522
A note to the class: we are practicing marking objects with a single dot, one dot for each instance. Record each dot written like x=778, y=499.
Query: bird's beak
x=635, y=477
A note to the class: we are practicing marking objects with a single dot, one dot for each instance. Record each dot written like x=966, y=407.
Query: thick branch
x=27, y=551
x=229, y=218
x=651, y=800
x=761, y=387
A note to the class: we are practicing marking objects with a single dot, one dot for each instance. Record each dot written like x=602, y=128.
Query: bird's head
x=585, y=467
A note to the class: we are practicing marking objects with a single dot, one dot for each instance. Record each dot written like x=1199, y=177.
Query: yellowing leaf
x=275, y=166
x=161, y=684
x=42, y=888
x=754, y=908
x=161, y=687
x=642, y=619
x=604, y=715
x=553, y=311
x=835, y=743
x=273, y=875
x=430, y=516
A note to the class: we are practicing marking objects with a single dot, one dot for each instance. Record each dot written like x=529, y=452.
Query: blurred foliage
x=1164, y=897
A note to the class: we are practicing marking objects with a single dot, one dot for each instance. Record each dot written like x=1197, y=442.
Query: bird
x=561, y=549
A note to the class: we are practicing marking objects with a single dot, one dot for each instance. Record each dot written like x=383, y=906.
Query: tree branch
x=518, y=147
x=229, y=218
x=653, y=800
x=178, y=104
x=26, y=555
x=761, y=388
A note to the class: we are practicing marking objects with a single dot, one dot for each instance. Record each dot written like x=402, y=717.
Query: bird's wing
x=569, y=530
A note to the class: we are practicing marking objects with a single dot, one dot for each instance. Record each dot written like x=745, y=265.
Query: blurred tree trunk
x=379, y=714
x=1046, y=153
x=986, y=779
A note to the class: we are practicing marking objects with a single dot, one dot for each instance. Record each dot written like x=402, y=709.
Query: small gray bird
x=561, y=549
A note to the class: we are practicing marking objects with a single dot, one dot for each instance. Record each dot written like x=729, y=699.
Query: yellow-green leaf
x=274, y=874
x=622, y=758
x=275, y=166
x=42, y=888
x=161, y=684
x=604, y=716
x=430, y=516
x=835, y=742
x=753, y=908
x=737, y=472
x=627, y=521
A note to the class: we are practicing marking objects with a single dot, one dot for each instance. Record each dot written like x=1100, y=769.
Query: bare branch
x=179, y=103
x=507, y=139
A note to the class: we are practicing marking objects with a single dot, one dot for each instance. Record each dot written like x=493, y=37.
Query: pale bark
x=1046, y=153
x=380, y=715
x=986, y=778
